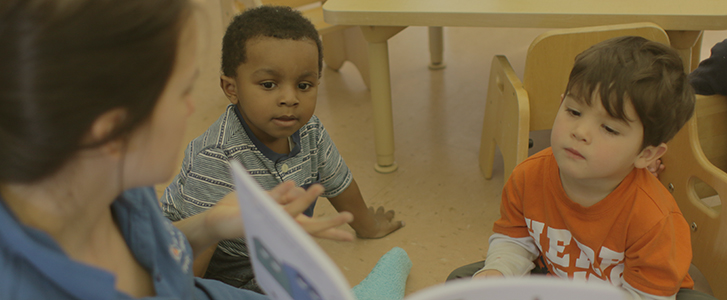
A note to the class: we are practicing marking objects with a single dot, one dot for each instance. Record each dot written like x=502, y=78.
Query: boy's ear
x=229, y=87
x=649, y=155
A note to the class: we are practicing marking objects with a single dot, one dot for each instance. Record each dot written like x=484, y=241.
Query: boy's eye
x=304, y=86
x=610, y=130
x=268, y=85
x=573, y=112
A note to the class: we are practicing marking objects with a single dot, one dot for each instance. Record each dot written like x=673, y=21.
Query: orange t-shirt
x=637, y=233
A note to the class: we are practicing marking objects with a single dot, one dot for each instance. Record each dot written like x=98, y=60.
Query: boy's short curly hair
x=280, y=22
x=649, y=74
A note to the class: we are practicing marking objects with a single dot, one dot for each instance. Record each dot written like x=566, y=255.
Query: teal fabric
x=388, y=278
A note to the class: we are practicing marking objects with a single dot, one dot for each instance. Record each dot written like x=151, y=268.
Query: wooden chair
x=526, y=288
x=514, y=107
x=340, y=43
x=695, y=162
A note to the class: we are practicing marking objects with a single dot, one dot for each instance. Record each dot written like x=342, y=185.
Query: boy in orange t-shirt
x=587, y=208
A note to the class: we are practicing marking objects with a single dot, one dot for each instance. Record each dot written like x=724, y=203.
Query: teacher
x=94, y=97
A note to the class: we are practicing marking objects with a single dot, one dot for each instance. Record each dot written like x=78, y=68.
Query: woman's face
x=153, y=149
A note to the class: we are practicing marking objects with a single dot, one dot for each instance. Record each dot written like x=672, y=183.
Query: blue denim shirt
x=33, y=265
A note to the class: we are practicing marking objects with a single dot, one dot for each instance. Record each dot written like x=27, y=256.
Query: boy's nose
x=289, y=98
x=580, y=133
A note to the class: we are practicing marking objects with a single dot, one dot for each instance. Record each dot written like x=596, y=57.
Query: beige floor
x=438, y=191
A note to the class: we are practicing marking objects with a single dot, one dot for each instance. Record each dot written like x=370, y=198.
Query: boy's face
x=590, y=144
x=276, y=88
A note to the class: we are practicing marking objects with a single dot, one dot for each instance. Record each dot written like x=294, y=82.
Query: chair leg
x=436, y=48
x=347, y=44
x=507, y=119
x=334, y=49
x=491, y=124
x=357, y=52
x=227, y=9
x=487, y=147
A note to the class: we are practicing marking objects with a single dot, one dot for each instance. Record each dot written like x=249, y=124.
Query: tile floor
x=448, y=206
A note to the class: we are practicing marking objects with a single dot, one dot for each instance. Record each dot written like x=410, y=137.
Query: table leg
x=436, y=47
x=684, y=41
x=377, y=38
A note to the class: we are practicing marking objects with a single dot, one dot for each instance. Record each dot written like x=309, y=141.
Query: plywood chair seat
x=513, y=107
x=695, y=162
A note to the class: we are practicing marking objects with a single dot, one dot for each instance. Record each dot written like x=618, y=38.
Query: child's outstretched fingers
x=326, y=228
x=295, y=200
x=385, y=223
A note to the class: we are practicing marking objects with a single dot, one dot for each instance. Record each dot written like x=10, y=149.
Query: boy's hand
x=489, y=274
x=383, y=224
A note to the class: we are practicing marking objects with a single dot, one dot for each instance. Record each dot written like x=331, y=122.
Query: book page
x=288, y=263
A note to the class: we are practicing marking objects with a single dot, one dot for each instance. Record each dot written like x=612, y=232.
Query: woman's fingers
x=326, y=227
x=298, y=199
x=280, y=191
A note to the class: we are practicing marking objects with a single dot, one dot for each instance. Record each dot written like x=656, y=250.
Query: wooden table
x=379, y=20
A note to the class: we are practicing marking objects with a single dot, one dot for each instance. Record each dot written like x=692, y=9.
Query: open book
x=289, y=264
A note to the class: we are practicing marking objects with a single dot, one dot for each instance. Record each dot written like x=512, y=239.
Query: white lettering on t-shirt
x=559, y=240
x=557, y=245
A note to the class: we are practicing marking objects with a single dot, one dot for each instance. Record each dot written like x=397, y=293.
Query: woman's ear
x=229, y=87
x=103, y=126
x=649, y=155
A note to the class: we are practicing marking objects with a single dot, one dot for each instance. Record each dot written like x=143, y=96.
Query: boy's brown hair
x=649, y=74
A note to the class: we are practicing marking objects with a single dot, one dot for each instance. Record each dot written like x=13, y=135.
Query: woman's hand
x=225, y=221
x=296, y=200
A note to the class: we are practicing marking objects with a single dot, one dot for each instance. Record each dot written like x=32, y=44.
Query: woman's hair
x=65, y=63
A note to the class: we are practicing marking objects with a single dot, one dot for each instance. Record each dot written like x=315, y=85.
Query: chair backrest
x=551, y=56
x=526, y=288
x=311, y=9
x=695, y=162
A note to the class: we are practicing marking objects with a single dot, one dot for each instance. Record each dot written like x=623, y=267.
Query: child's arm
x=366, y=222
x=223, y=221
x=509, y=257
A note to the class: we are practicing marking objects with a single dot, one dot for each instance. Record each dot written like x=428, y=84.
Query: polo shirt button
x=285, y=168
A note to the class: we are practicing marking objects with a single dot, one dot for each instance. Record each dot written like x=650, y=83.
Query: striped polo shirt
x=205, y=175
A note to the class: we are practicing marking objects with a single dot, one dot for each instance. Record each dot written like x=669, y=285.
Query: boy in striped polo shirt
x=271, y=64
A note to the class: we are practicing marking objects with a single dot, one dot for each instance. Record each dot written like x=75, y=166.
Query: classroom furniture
x=340, y=43
x=381, y=19
x=514, y=108
x=696, y=160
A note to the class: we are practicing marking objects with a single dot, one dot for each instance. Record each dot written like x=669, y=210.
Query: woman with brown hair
x=94, y=96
